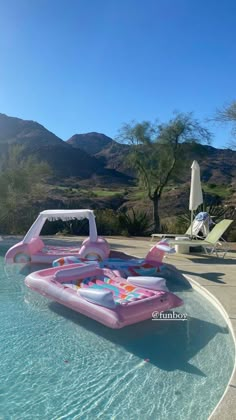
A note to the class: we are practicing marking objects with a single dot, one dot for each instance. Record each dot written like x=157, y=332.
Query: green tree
x=22, y=181
x=225, y=115
x=156, y=153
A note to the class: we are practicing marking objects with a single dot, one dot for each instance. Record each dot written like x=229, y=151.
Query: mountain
x=217, y=165
x=109, y=152
x=218, y=169
x=65, y=161
x=95, y=157
x=16, y=130
x=92, y=143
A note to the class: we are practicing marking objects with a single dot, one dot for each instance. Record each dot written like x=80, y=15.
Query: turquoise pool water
x=57, y=364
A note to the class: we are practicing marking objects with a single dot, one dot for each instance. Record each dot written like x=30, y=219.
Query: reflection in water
x=169, y=345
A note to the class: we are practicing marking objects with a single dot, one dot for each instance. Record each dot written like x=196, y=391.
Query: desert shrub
x=51, y=228
x=175, y=225
x=231, y=234
x=221, y=212
x=70, y=227
x=107, y=222
x=135, y=223
x=22, y=180
x=18, y=220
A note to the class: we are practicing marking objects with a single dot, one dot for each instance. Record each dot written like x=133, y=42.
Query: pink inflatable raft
x=102, y=295
x=33, y=249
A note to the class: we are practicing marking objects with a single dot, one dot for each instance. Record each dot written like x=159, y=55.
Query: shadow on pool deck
x=209, y=260
x=215, y=277
x=168, y=345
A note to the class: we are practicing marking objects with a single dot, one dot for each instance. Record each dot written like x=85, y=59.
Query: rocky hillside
x=96, y=156
x=217, y=165
x=109, y=152
x=92, y=143
x=65, y=160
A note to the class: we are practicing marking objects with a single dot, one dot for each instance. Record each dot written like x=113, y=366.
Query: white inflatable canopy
x=64, y=215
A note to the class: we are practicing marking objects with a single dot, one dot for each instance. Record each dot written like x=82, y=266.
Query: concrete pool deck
x=216, y=275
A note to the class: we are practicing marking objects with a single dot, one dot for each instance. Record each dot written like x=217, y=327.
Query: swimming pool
x=56, y=363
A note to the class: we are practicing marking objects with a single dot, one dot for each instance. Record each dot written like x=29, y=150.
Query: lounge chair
x=213, y=243
x=171, y=235
x=201, y=224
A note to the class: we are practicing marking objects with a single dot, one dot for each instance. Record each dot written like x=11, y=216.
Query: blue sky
x=90, y=65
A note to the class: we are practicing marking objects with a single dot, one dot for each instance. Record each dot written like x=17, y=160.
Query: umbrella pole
x=191, y=224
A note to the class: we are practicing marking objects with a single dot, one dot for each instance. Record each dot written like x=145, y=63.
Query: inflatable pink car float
x=33, y=249
x=102, y=295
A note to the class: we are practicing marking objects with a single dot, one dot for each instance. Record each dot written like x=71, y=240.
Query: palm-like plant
x=135, y=223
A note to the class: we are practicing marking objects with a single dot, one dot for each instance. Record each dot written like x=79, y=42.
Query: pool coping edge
x=218, y=305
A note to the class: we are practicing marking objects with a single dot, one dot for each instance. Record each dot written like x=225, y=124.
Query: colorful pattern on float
x=122, y=292
x=124, y=268
x=134, y=268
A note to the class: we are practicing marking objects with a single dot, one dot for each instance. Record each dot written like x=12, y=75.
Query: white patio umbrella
x=195, y=198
